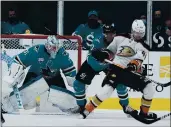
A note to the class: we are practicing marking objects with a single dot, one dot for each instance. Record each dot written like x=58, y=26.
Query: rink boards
x=157, y=65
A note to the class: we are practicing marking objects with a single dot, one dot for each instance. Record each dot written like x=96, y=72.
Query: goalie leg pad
x=62, y=98
x=30, y=91
x=6, y=104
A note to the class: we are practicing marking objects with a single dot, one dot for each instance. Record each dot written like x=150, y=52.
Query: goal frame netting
x=40, y=36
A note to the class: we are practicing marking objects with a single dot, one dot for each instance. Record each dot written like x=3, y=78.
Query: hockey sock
x=145, y=105
x=122, y=94
x=95, y=102
x=80, y=93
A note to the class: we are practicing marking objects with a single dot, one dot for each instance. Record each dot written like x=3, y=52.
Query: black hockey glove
x=101, y=54
x=131, y=67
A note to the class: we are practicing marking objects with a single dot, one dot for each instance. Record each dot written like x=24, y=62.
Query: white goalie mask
x=138, y=29
x=52, y=45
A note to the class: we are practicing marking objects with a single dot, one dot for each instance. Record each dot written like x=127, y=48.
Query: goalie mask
x=138, y=29
x=52, y=46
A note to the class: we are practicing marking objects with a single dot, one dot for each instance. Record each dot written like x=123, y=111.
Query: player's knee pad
x=62, y=98
x=122, y=94
x=7, y=105
x=30, y=91
x=105, y=92
x=80, y=92
x=149, y=90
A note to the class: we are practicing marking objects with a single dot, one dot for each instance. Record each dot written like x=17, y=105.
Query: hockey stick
x=9, y=61
x=159, y=85
x=18, y=97
x=147, y=121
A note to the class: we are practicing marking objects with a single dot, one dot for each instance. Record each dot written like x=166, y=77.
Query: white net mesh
x=17, y=42
x=13, y=43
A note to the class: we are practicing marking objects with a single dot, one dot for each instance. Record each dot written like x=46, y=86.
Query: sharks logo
x=126, y=51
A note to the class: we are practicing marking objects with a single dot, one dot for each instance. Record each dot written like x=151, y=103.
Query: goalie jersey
x=126, y=49
x=41, y=63
x=88, y=35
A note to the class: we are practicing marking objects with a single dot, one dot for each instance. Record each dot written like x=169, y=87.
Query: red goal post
x=23, y=41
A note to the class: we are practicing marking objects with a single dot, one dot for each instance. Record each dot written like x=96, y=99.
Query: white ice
x=97, y=118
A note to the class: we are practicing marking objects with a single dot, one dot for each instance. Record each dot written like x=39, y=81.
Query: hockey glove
x=135, y=66
x=101, y=54
x=131, y=67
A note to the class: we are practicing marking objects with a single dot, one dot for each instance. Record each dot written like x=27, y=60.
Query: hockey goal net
x=15, y=44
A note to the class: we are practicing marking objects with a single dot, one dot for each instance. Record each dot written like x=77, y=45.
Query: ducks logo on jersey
x=126, y=51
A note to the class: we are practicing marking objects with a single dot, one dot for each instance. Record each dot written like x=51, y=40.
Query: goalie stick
x=159, y=85
x=9, y=61
x=18, y=97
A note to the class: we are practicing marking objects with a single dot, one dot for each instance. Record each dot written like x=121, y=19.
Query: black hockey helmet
x=109, y=28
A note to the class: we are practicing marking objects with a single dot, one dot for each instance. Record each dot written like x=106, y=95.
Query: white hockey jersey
x=125, y=50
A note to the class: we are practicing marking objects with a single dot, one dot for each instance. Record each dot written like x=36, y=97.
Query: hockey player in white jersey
x=128, y=56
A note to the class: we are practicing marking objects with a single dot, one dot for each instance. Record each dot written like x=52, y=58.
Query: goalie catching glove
x=15, y=75
x=102, y=54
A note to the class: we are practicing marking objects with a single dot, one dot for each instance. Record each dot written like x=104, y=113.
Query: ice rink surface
x=97, y=118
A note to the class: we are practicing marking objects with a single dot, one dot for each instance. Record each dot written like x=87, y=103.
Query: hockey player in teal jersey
x=45, y=63
x=92, y=29
x=92, y=67
x=47, y=60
